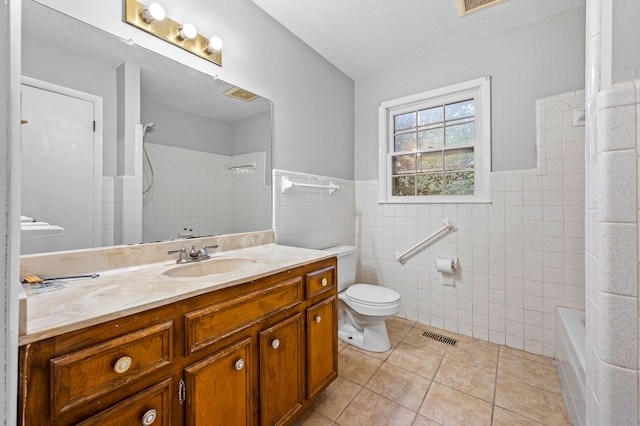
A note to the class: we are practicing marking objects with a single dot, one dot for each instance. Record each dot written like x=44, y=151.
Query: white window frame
x=480, y=90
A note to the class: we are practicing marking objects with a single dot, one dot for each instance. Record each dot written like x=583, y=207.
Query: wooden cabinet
x=254, y=353
x=281, y=392
x=322, y=355
x=219, y=389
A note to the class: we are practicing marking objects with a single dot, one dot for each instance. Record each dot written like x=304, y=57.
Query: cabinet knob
x=318, y=318
x=240, y=364
x=324, y=282
x=149, y=417
x=122, y=364
x=275, y=344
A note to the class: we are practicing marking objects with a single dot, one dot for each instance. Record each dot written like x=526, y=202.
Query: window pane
x=403, y=185
x=405, y=121
x=459, y=159
x=430, y=116
x=404, y=164
x=429, y=184
x=431, y=162
x=405, y=142
x=460, y=135
x=431, y=138
x=459, y=110
x=460, y=183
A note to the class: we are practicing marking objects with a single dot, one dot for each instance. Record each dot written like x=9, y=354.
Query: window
x=435, y=147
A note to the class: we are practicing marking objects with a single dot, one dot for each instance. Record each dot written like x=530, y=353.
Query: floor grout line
x=413, y=416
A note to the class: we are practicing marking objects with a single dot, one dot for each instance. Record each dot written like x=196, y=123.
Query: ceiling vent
x=243, y=95
x=468, y=6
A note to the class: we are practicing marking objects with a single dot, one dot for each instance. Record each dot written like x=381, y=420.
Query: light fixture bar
x=169, y=30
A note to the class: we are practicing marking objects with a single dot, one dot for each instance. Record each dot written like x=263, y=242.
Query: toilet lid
x=372, y=294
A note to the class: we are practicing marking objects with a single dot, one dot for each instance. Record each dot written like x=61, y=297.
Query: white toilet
x=362, y=308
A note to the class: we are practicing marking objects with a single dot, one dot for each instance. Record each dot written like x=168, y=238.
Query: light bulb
x=214, y=44
x=187, y=31
x=153, y=12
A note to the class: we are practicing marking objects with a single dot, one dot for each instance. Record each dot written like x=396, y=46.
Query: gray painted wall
x=64, y=68
x=182, y=129
x=626, y=35
x=524, y=65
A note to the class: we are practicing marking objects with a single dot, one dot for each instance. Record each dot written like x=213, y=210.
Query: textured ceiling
x=362, y=37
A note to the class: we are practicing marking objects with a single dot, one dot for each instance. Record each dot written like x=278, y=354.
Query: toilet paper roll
x=446, y=265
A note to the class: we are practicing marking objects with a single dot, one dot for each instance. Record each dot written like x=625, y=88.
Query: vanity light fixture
x=214, y=44
x=153, y=20
x=187, y=32
x=152, y=13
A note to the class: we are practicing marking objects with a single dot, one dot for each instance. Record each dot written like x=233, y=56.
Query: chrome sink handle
x=183, y=254
x=205, y=253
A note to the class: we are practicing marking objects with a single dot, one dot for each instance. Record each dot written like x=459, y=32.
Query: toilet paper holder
x=447, y=266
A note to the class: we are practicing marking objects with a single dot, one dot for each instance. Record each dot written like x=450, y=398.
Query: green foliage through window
x=435, y=151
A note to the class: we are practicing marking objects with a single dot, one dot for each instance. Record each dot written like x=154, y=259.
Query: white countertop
x=121, y=292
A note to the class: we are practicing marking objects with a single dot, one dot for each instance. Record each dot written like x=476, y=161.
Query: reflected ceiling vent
x=243, y=95
x=468, y=6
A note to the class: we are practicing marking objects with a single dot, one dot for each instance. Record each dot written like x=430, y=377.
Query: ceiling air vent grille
x=468, y=6
x=242, y=94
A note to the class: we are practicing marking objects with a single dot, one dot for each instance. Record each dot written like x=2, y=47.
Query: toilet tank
x=346, y=265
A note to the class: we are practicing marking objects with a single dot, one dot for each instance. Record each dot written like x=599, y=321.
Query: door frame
x=97, y=144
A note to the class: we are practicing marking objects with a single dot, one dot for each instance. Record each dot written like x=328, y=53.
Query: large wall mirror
x=177, y=158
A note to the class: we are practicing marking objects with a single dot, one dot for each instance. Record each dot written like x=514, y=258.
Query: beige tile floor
x=420, y=381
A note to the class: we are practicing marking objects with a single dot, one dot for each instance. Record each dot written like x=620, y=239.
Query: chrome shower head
x=147, y=127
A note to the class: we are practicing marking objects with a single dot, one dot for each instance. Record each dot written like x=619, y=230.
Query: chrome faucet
x=183, y=254
x=194, y=254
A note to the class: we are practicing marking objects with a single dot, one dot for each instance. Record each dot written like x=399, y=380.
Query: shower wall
x=197, y=193
x=613, y=111
x=520, y=256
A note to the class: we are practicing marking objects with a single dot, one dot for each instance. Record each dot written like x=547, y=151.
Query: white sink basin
x=210, y=267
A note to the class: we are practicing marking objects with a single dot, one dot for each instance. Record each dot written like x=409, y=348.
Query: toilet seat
x=373, y=300
x=372, y=295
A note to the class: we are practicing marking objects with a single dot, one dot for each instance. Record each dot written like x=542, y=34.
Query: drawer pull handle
x=122, y=365
x=318, y=318
x=149, y=417
x=324, y=282
x=240, y=364
x=275, y=344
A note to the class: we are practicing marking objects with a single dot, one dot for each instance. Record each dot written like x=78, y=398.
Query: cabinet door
x=219, y=390
x=149, y=407
x=281, y=393
x=322, y=348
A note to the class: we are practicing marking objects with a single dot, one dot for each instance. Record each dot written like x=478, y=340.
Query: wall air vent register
x=468, y=6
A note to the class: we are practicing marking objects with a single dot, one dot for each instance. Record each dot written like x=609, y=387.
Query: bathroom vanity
x=251, y=346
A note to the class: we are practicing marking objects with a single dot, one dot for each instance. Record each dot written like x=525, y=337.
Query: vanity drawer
x=208, y=325
x=151, y=406
x=90, y=373
x=320, y=281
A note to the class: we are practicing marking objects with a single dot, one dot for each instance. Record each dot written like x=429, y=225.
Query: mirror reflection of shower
x=146, y=128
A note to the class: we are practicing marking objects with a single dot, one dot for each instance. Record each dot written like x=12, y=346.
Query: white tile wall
x=222, y=201
x=311, y=217
x=250, y=194
x=108, y=205
x=127, y=210
x=612, y=256
x=174, y=205
x=520, y=256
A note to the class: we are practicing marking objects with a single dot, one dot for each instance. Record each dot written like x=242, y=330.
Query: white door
x=59, y=162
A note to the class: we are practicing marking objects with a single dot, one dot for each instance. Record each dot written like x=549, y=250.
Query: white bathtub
x=570, y=361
